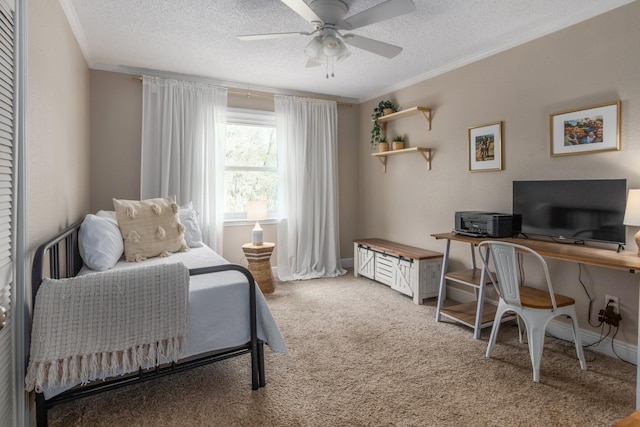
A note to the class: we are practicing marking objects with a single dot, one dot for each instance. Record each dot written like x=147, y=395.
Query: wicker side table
x=258, y=258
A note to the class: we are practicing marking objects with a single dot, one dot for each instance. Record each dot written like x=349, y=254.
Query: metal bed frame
x=64, y=261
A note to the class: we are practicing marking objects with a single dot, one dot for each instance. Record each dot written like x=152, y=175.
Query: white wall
x=57, y=123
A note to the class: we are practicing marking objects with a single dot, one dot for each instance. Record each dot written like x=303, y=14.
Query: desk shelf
x=476, y=314
x=466, y=313
x=471, y=277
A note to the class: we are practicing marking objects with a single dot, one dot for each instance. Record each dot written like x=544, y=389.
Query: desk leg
x=478, y=325
x=483, y=277
x=442, y=292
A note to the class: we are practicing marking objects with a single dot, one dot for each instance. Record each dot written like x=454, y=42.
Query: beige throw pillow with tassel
x=150, y=227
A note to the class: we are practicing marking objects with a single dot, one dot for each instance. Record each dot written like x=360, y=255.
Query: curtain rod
x=250, y=94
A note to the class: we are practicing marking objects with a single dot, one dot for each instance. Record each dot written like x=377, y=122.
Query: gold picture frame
x=586, y=130
x=485, y=147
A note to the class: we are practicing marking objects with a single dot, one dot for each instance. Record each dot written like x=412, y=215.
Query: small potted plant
x=383, y=145
x=379, y=111
x=398, y=142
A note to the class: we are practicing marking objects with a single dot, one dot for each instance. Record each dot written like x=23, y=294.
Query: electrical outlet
x=614, y=303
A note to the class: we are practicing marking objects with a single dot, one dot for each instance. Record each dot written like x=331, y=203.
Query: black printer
x=485, y=224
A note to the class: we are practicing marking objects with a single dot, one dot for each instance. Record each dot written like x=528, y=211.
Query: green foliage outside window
x=251, y=166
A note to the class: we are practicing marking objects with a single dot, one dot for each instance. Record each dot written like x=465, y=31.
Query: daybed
x=225, y=314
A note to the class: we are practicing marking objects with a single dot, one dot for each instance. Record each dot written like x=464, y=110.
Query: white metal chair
x=533, y=306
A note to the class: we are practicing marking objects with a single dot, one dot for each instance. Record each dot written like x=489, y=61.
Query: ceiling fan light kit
x=313, y=48
x=328, y=17
x=330, y=45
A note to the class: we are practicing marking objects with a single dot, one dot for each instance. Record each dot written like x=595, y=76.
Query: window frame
x=251, y=117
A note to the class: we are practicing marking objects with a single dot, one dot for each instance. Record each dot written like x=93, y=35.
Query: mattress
x=218, y=307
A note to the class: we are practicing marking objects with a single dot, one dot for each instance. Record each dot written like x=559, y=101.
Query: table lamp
x=257, y=210
x=632, y=213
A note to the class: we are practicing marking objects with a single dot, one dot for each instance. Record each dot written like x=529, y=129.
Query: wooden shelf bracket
x=427, y=157
x=383, y=160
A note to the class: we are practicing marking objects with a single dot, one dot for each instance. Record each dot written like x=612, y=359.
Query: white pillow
x=192, y=232
x=110, y=215
x=100, y=243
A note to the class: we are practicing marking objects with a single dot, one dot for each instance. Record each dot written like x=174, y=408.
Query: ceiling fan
x=328, y=19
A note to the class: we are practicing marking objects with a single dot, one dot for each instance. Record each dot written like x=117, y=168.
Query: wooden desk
x=626, y=260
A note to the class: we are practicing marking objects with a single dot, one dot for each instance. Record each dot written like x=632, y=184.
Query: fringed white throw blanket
x=100, y=325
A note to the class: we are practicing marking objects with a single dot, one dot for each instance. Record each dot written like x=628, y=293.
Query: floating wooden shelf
x=426, y=112
x=382, y=156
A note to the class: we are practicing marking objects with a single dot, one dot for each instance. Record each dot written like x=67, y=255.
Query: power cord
x=614, y=349
x=570, y=349
x=601, y=318
x=584, y=287
x=589, y=355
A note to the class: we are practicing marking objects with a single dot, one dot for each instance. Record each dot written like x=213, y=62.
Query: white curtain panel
x=183, y=131
x=308, y=232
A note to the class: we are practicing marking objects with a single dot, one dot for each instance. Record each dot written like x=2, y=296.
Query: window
x=251, y=161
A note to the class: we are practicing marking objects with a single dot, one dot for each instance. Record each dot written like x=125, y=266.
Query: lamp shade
x=632, y=212
x=343, y=53
x=330, y=45
x=257, y=210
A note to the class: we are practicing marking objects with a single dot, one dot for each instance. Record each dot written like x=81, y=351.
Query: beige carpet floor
x=361, y=354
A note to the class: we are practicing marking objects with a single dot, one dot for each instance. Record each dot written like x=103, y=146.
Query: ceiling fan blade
x=373, y=46
x=302, y=9
x=249, y=37
x=385, y=10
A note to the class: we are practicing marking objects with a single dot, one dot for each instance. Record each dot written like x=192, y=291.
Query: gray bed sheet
x=218, y=307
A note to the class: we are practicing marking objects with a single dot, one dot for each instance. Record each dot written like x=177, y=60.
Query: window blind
x=6, y=207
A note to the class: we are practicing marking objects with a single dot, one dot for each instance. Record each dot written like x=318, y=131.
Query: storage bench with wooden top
x=412, y=271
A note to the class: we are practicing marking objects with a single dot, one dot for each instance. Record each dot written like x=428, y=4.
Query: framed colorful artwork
x=586, y=130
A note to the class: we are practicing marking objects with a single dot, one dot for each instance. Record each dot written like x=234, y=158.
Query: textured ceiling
x=198, y=38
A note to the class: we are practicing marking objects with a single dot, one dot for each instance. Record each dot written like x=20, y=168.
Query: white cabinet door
x=384, y=268
x=402, y=276
x=365, y=262
x=430, y=278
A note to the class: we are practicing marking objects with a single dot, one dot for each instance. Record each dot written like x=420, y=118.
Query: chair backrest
x=505, y=263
